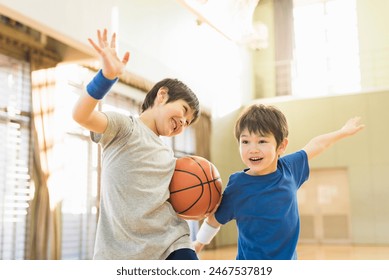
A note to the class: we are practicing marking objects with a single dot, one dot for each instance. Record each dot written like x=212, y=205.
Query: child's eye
x=244, y=141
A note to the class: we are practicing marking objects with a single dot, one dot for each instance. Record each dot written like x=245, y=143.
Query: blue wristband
x=99, y=86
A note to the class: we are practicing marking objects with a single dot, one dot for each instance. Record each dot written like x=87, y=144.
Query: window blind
x=79, y=172
x=15, y=186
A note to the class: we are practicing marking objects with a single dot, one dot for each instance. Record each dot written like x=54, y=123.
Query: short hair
x=263, y=119
x=177, y=90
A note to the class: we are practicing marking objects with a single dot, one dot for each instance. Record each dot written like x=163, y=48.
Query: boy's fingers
x=102, y=38
x=126, y=58
x=94, y=45
x=105, y=32
x=113, y=41
x=99, y=38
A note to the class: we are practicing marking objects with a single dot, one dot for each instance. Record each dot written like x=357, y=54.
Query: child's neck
x=148, y=119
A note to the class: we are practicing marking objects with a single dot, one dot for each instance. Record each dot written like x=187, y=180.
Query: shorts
x=183, y=254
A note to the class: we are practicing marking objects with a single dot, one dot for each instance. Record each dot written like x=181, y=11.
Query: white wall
x=162, y=36
x=69, y=21
x=166, y=40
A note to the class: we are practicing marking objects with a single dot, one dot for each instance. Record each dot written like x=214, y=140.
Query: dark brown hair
x=264, y=120
x=177, y=90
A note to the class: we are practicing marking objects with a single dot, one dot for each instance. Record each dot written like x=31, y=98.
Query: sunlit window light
x=326, y=50
x=11, y=81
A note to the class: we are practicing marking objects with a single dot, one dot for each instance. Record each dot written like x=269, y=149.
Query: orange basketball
x=195, y=188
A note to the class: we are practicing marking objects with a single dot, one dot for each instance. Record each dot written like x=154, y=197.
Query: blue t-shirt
x=265, y=209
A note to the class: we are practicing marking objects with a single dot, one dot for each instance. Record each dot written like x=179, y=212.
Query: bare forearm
x=322, y=142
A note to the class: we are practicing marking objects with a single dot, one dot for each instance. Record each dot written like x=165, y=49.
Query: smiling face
x=262, y=132
x=172, y=118
x=167, y=118
x=260, y=152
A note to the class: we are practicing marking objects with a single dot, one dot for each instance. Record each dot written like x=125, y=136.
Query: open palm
x=352, y=126
x=112, y=66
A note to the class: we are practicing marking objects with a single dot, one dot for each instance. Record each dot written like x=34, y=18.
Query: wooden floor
x=314, y=252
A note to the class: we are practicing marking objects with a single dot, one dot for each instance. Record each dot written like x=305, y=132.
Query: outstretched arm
x=320, y=143
x=84, y=111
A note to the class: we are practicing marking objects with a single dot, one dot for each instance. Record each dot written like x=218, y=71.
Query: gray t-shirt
x=136, y=221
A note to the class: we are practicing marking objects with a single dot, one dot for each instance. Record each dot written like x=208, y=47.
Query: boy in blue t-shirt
x=263, y=197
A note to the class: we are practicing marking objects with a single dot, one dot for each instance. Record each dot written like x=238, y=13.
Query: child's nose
x=254, y=148
x=183, y=122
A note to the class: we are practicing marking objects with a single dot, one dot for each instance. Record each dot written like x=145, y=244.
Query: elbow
x=83, y=113
x=79, y=117
x=76, y=116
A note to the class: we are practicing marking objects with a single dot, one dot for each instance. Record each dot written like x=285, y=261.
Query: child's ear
x=162, y=94
x=282, y=147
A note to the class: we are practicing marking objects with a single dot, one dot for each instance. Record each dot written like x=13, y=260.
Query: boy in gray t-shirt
x=136, y=221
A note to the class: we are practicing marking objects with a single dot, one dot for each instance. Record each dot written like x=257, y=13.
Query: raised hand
x=320, y=143
x=111, y=65
x=352, y=126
